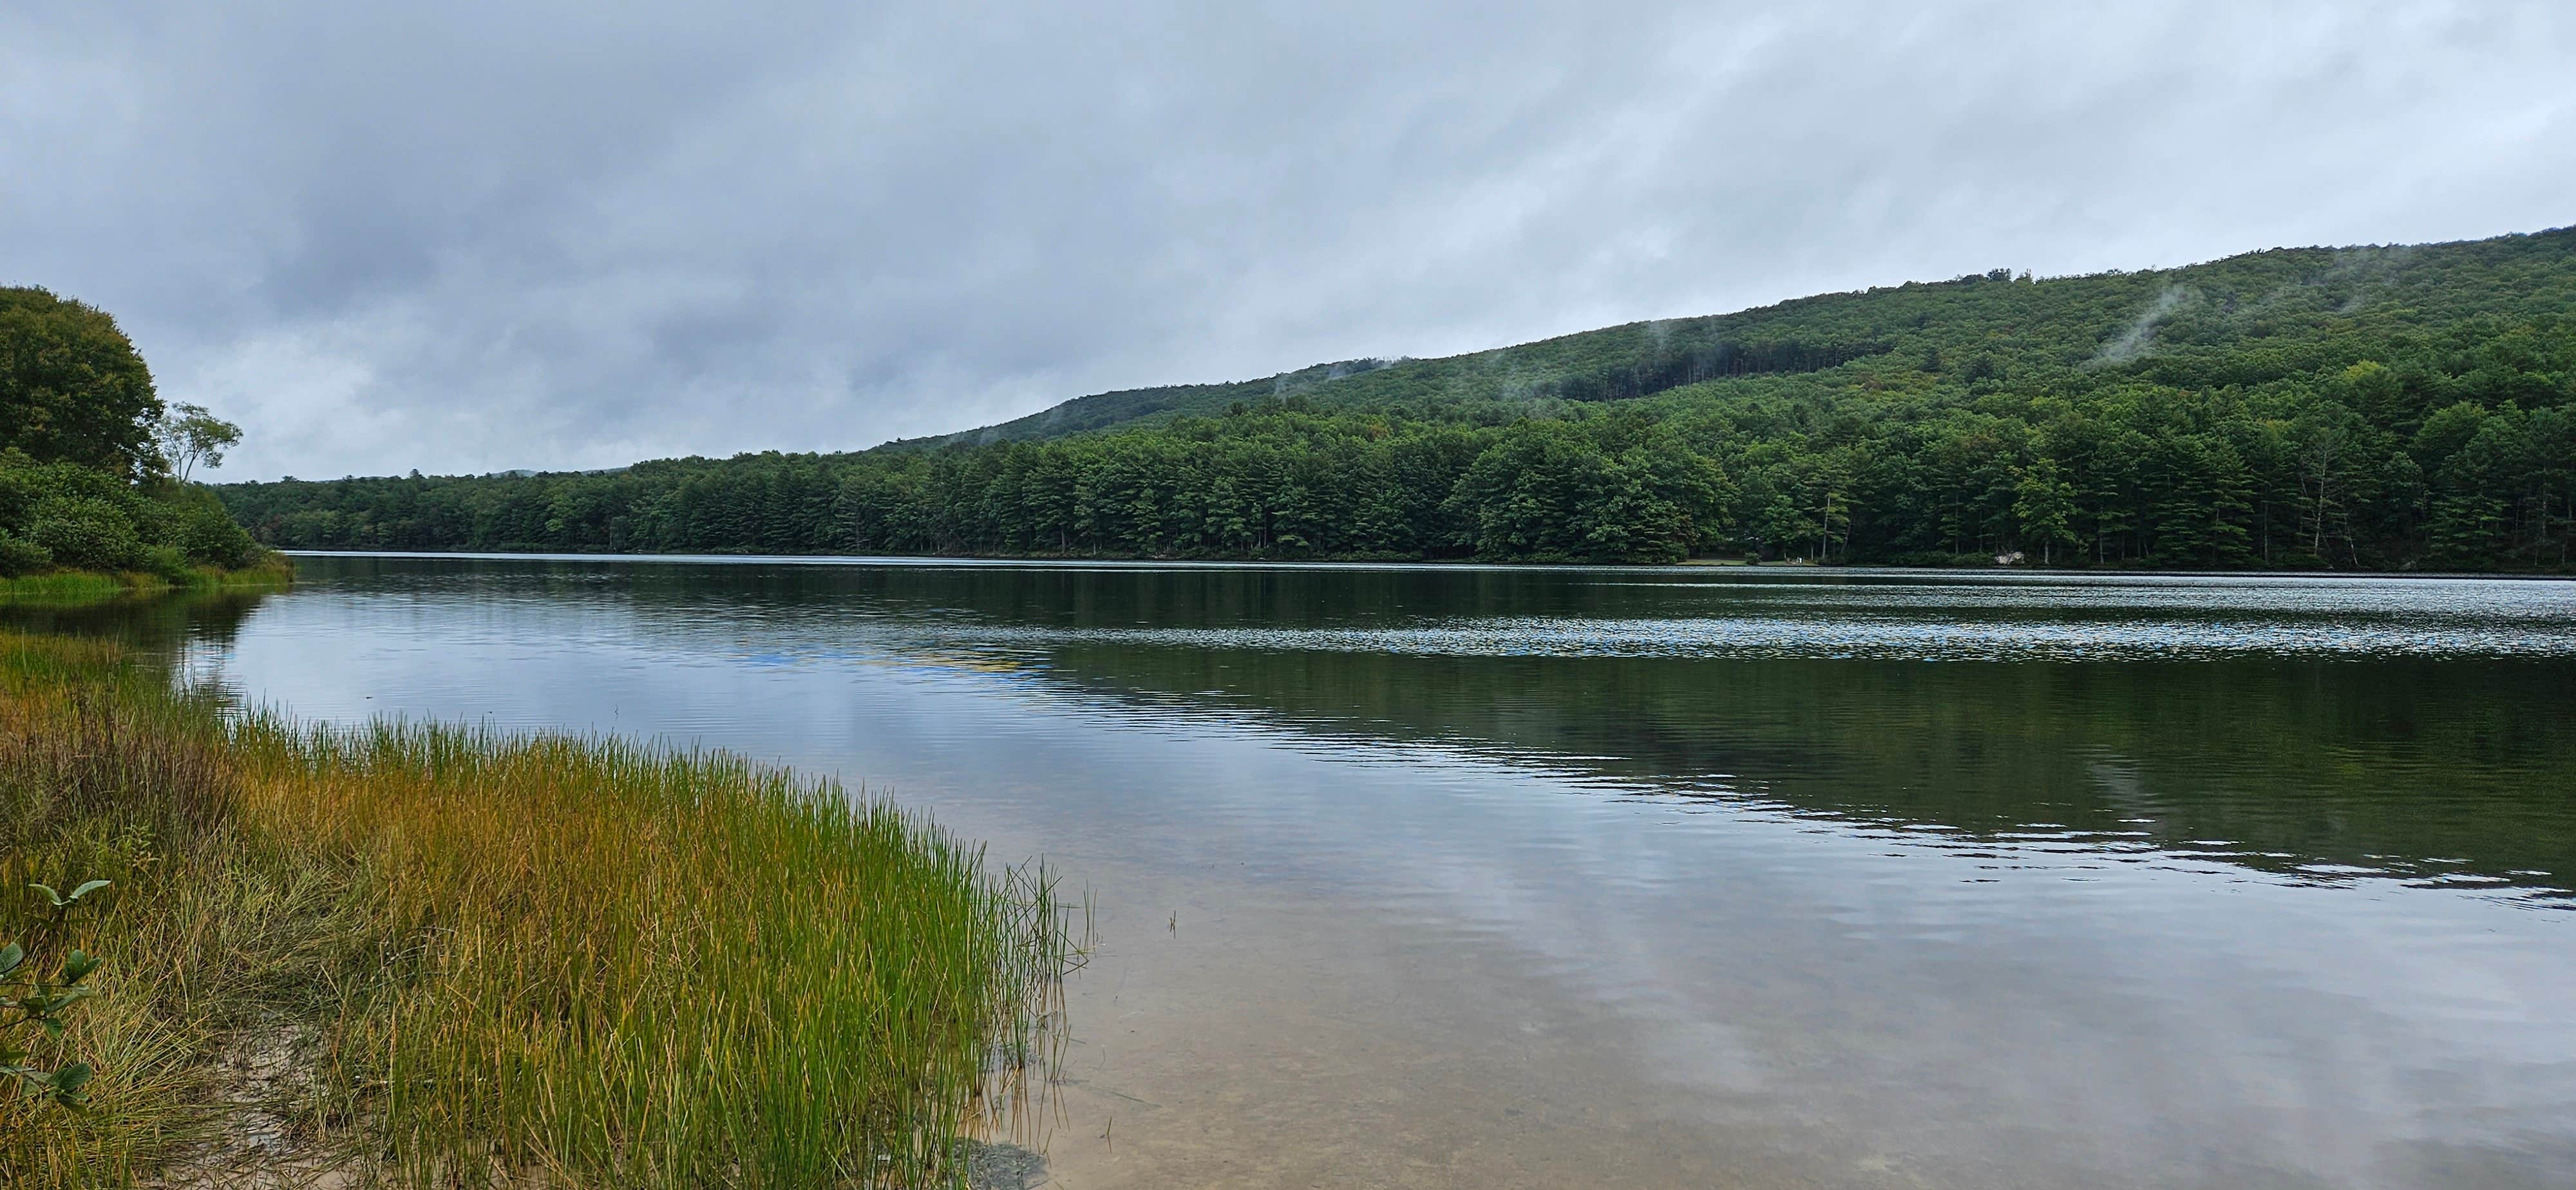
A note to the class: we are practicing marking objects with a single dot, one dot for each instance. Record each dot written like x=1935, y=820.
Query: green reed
x=273, y=572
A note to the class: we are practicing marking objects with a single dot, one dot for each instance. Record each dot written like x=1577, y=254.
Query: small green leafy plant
x=28, y=1002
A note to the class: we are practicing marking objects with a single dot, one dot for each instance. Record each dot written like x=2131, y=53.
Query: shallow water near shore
x=1445, y=876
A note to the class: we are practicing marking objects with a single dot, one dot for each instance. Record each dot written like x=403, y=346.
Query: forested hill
x=2364, y=407
x=1994, y=320
x=1101, y=411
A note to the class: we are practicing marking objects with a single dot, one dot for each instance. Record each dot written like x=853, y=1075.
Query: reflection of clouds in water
x=1849, y=636
x=1771, y=967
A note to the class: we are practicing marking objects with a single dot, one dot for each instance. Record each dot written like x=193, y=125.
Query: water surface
x=1445, y=876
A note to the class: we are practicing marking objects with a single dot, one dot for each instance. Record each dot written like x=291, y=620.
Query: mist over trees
x=2359, y=408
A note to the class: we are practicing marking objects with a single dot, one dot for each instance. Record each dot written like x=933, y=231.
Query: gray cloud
x=464, y=236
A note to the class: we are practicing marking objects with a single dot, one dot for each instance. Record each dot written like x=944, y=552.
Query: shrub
x=20, y=556
x=63, y=514
x=35, y=1006
x=166, y=562
x=22, y=487
x=87, y=533
x=208, y=535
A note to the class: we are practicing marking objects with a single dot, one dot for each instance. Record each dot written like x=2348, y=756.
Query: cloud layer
x=465, y=236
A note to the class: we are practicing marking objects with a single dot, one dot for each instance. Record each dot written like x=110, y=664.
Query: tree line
x=2135, y=476
x=2368, y=408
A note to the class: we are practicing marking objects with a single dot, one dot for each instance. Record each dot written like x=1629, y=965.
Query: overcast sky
x=466, y=236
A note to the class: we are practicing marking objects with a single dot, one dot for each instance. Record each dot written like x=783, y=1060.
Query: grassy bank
x=438, y=955
x=271, y=572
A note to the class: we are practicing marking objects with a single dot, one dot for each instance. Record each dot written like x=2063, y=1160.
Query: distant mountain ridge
x=2096, y=319
x=1103, y=410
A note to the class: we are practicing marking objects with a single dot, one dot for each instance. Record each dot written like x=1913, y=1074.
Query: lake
x=1454, y=876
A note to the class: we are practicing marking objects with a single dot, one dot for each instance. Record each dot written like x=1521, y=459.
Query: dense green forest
x=93, y=465
x=2351, y=408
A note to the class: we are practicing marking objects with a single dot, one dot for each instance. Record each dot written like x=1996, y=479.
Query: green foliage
x=69, y=515
x=190, y=437
x=86, y=450
x=206, y=533
x=20, y=556
x=87, y=533
x=1550, y=491
x=72, y=387
x=2368, y=407
x=1273, y=484
x=30, y=1002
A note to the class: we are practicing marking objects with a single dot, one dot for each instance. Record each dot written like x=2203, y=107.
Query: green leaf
x=72, y=1078
x=10, y=956
x=78, y=966
x=50, y=894
x=85, y=890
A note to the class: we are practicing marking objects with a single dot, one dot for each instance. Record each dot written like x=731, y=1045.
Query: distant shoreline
x=1126, y=563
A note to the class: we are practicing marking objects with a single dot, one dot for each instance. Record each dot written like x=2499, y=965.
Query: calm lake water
x=1417, y=876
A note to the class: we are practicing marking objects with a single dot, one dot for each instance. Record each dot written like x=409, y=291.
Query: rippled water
x=1486, y=877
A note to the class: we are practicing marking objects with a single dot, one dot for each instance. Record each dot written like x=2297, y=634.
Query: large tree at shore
x=72, y=387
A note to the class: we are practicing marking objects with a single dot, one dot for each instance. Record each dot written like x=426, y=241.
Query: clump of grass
x=100, y=780
x=270, y=572
x=513, y=958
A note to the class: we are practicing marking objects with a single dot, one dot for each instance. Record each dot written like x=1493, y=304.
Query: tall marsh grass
x=271, y=572
x=501, y=959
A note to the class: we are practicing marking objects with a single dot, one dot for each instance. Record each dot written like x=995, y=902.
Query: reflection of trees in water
x=157, y=625
x=2416, y=766
x=2419, y=768
x=2398, y=765
x=1062, y=596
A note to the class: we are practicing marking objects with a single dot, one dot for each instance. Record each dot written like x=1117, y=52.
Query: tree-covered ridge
x=2386, y=408
x=1101, y=411
x=2275, y=313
